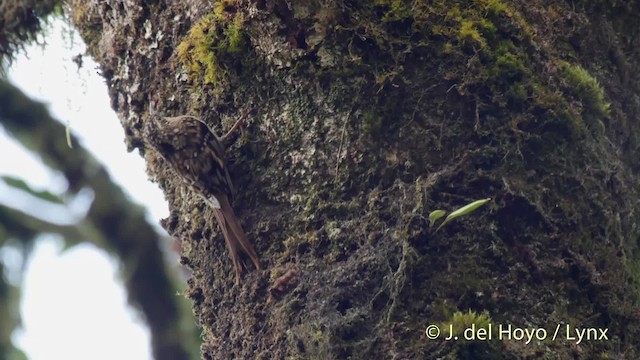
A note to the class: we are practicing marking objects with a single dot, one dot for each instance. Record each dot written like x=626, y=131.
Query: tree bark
x=366, y=117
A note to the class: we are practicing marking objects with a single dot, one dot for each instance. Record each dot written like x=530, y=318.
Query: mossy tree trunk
x=368, y=115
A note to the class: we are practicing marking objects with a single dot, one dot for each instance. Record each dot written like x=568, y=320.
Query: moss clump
x=469, y=32
x=494, y=7
x=461, y=321
x=508, y=63
x=586, y=87
x=210, y=43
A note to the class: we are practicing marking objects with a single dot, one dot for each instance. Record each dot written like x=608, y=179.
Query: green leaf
x=41, y=194
x=464, y=211
x=434, y=216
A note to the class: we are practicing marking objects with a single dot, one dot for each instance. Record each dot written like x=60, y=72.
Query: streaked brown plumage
x=197, y=155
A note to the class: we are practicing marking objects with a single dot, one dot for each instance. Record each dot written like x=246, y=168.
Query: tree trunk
x=368, y=115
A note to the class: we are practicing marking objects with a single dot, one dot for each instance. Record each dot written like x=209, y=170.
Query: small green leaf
x=434, y=216
x=464, y=211
x=41, y=194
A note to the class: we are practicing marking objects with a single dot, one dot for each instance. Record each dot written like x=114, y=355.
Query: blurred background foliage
x=112, y=222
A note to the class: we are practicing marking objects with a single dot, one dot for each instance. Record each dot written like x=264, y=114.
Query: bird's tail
x=234, y=236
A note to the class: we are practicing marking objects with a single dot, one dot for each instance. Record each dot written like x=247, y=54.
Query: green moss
x=585, y=86
x=553, y=102
x=508, y=63
x=469, y=32
x=296, y=243
x=495, y=7
x=210, y=43
x=488, y=48
x=447, y=48
x=234, y=35
x=396, y=9
x=518, y=92
x=89, y=25
x=461, y=321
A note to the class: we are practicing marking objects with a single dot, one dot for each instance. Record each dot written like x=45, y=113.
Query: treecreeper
x=196, y=154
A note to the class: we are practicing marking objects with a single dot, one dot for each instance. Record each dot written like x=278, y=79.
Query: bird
x=196, y=155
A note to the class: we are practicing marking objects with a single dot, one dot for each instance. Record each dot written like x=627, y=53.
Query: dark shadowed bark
x=368, y=115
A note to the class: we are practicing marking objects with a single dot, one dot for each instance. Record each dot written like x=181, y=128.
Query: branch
x=24, y=226
x=122, y=223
